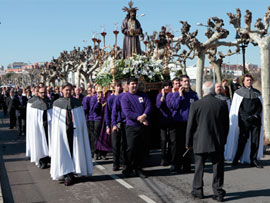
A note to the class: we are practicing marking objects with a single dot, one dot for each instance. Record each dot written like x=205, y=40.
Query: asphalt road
x=22, y=181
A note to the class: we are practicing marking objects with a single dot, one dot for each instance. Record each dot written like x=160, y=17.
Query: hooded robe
x=70, y=149
x=233, y=136
x=29, y=122
x=41, y=122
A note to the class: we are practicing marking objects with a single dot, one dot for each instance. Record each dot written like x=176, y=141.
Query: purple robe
x=117, y=114
x=165, y=113
x=85, y=104
x=134, y=105
x=180, y=105
x=131, y=44
x=104, y=142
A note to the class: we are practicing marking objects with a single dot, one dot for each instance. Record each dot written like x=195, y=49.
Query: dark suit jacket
x=208, y=125
x=10, y=105
x=20, y=108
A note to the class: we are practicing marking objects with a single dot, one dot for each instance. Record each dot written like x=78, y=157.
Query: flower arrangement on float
x=141, y=67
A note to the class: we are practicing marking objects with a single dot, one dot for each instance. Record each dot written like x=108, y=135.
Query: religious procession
x=126, y=102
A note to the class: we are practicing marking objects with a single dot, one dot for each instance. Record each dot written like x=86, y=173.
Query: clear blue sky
x=36, y=30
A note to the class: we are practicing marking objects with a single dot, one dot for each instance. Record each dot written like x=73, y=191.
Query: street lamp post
x=243, y=47
x=243, y=44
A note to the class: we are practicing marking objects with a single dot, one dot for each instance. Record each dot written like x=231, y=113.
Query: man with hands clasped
x=136, y=107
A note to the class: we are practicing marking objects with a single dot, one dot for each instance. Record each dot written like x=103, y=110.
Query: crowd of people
x=66, y=127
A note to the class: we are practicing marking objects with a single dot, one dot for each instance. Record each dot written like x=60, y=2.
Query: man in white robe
x=41, y=131
x=245, y=138
x=29, y=121
x=70, y=148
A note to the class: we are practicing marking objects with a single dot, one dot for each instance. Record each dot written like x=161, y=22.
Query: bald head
x=207, y=88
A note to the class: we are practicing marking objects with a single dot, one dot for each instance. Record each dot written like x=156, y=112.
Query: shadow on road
x=247, y=194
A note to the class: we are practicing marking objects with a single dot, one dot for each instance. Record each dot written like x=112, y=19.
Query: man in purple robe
x=165, y=123
x=172, y=129
x=97, y=113
x=115, y=124
x=131, y=28
x=104, y=142
x=119, y=141
x=136, y=107
x=180, y=104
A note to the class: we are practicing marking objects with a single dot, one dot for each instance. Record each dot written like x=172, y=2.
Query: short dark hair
x=184, y=76
x=117, y=83
x=132, y=79
x=176, y=79
x=247, y=75
x=67, y=84
x=166, y=83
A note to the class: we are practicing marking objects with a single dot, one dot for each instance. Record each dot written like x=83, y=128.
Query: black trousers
x=97, y=128
x=164, y=140
x=91, y=126
x=21, y=123
x=119, y=145
x=254, y=131
x=173, y=132
x=4, y=106
x=186, y=160
x=177, y=146
x=218, y=172
x=12, y=119
x=136, y=147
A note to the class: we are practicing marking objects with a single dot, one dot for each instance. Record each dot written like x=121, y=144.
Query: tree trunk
x=78, y=82
x=199, y=74
x=218, y=72
x=184, y=68
x=265, y=74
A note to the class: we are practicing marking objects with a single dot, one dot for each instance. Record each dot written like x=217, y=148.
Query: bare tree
x=215, y=32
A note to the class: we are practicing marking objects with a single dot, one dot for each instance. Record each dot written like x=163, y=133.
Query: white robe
x=29, y=126
x=39, y=145
x=232, y=139
x=61, y=161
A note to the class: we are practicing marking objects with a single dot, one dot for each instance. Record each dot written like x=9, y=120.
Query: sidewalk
x=5, y=191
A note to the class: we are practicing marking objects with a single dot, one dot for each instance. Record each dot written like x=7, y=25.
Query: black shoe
x=42, y=165
x=97, y=157
x=174, y=170
x=164, y=162
x=11, y=127
x=103, y=157
x=69, y=180
x=187, y=169
x=218, y=198
x=198, y=196
x=140, y=173
x=116, y=168
x=127, y=172
x=235, y=163
x=256, y=163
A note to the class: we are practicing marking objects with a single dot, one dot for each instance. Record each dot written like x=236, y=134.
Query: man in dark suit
x=20, y=103
x=207, y=129
x=11, y=110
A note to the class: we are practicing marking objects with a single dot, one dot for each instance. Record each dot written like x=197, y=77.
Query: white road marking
x=100, y=167
x=147, y=199
x=122, y=182
x=125, y=184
